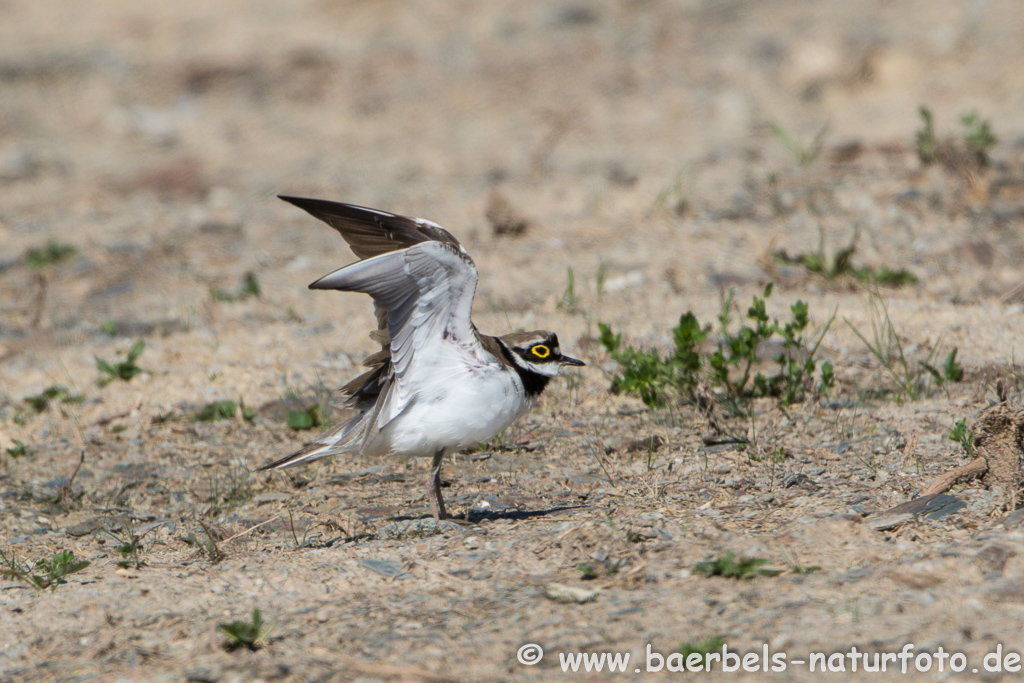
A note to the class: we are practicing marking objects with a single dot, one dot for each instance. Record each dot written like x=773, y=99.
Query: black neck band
x=533, y=382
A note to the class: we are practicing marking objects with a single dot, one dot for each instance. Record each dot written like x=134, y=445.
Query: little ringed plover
x=437, y=385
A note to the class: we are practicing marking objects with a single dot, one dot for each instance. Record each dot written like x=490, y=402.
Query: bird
x=437, y=385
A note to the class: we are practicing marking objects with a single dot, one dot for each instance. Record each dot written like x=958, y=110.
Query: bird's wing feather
x=370, y=232
x=422, y=282
x=427, y=292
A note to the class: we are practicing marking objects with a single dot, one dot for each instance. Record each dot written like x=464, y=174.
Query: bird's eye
x=541, y=351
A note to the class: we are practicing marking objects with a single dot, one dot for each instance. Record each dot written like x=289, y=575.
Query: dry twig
x=972, y=470
x=116, y=416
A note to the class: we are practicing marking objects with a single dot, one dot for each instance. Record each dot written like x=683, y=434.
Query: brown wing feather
x=365, y=388
x=370, y=232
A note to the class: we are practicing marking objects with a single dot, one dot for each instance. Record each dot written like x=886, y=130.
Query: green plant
x=926, y=141
x=732, y=363
x=634, y=536
x=129, y=551
x=129, y=544
x=208, y=547
x=728, y=566
x=52, y=252
x=596, y=449
x=828, y=378
x=601, y=279
x=647, y=374
x=740, y=348
x=223, y=410
x=840, y=264
x=676, y=196
x=796, y=366
x=794, y=565
x=569, y=299
x=249, y=287
x=17, y=450
x=46, y=573
x=804, y=154
x=951, y=370
x=218, y=294
x=701, y=648
x=498, y=442
x=252, y=634
x=884, y=275
x=963, y=436
x=304, y=418
x=55, y=392
x=978, y=139
x=109, y=327
x=911, y=378
x=589, y=572
x=124, y=370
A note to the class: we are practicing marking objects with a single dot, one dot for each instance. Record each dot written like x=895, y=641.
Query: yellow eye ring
x=541, y=351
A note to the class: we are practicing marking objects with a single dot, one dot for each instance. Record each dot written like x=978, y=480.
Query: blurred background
x=154, y=136
x=646, y=154
x=602, y=161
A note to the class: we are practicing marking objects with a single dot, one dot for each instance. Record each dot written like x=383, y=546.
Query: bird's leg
x=434, y=487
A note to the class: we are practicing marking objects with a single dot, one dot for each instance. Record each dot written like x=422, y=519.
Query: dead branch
x=116, y=416
x=972, y=470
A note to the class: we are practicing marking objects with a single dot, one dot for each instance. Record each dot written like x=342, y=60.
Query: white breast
x=456, y=405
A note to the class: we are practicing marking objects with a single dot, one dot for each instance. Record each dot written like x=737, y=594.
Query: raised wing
x=422, y=283
x=426, y=291
x=371, y=232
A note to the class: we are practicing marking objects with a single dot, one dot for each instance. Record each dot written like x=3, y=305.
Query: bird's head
x=538, y=352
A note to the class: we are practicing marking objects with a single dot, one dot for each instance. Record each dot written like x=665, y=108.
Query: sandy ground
x=644, y=142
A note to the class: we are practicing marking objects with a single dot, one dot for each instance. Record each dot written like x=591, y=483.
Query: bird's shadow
x=477, y=516
x=468, y=518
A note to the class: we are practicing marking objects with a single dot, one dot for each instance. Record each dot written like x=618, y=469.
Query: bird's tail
x=332, y=442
